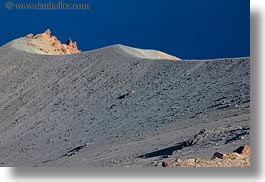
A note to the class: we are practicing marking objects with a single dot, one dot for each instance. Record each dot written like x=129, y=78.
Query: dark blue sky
x=185, y=28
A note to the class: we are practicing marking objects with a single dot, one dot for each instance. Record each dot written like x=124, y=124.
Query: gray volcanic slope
x=110, y=108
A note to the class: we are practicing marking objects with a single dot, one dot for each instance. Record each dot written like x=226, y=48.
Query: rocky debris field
x=112, y=108
x=238, y=158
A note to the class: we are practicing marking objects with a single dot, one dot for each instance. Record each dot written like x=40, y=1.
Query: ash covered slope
x=109, y=108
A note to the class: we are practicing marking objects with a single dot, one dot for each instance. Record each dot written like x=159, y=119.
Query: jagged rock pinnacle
x=69, y=41
x=44, y=43
x=48, y=32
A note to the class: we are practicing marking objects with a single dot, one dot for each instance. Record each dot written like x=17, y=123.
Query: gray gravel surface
x=106, y=108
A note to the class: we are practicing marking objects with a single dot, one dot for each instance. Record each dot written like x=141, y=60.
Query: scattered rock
x=218, y=155
x=244, y=150
x=240, y=158
x=179, y=161
x=169, y=163
x=234, y=155
x=190, y=162
x=197, y=138
x=129, y=93
x=29, y=36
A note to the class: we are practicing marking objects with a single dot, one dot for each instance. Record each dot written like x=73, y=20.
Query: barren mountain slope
x=109, y=107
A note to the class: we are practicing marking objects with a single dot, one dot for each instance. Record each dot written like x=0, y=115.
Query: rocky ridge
x=45, y=43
